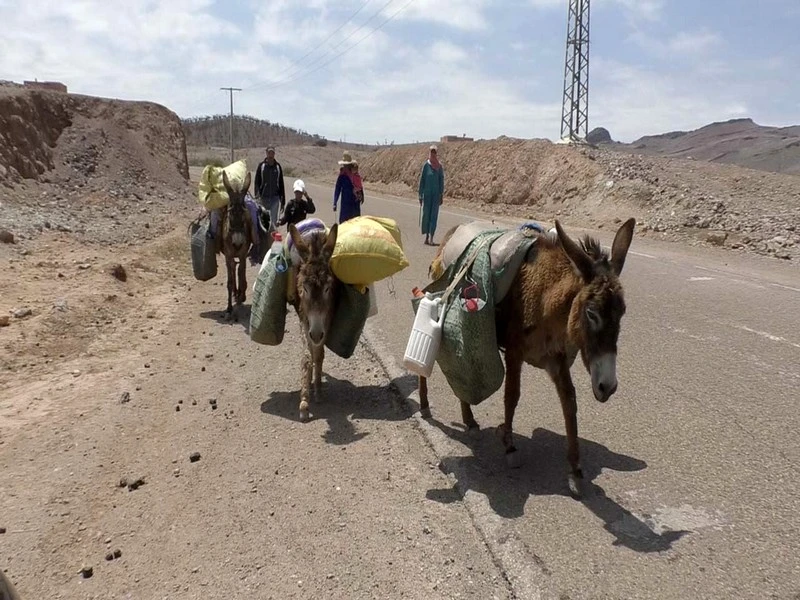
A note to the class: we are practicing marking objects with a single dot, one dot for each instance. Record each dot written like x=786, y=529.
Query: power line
x=292, y=79
x=231, y=90
x=270, y=84
x=334, y=32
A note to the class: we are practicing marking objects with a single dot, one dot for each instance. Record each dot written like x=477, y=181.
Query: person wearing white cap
x=431, y=194
x=298, y=207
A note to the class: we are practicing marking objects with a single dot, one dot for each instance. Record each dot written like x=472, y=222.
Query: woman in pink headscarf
x=431, y=194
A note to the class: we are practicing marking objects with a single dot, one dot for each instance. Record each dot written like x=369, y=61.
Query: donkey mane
x=593, y=248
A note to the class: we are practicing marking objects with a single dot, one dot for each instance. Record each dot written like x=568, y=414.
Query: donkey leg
x=469, y=419
x=305, y=386
x=510, y=400
x=424, y=407
x=559, y=373
x=241, y=291
x=318, y=356
x=231, y=284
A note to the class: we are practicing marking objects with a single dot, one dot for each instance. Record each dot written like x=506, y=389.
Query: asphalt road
x=693, y=463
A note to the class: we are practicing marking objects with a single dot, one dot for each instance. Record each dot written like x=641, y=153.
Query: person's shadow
x=341, y=402
x=544, y=472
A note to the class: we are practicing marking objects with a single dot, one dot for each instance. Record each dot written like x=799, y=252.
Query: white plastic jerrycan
x=426, y=335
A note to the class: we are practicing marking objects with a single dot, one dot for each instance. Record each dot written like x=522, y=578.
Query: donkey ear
x=246, y=184
x=226, y=182
x=622, y=241
x=579, y=259
x=299, y=242
x=330, y=241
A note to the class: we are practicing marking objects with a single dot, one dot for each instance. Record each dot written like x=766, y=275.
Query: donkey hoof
x=305, y=416
x=425, y=413
x=474, y=431
x=514, y=459
x=575, y=483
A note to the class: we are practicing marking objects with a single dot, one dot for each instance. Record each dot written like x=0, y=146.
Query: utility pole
x=575, y=107
x=231, y=90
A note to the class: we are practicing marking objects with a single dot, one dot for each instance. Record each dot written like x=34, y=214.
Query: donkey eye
x=594, y=318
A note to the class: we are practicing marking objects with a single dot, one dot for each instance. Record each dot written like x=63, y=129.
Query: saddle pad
x=506, y=255
x=461, y=238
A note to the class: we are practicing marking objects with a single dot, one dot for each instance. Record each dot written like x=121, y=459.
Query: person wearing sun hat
x=345, y=189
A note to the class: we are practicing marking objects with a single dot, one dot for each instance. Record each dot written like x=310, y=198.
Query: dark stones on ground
x=119, y=273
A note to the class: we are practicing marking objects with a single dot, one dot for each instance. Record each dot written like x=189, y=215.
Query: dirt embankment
x=91, y=193
x=722, y=205
x=89, y=165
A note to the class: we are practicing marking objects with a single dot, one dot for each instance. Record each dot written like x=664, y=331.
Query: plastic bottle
x=425, y=338
x=277, y=249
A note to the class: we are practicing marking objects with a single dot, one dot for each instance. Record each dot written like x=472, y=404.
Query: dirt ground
x=117, y=388
x=112, y=355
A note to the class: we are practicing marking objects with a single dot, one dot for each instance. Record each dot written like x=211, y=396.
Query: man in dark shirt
x=269, y=186
x=298, y=208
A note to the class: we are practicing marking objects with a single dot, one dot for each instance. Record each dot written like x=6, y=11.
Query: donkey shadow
x=240, y=315
x=544, y=473
x=341, y=403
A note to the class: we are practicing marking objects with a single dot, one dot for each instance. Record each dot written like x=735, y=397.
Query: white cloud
x=697, y=42
x=467, y=15
x=631, y=102
x=446, y=52
x=650, y=10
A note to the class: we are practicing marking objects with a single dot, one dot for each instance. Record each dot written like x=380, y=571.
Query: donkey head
x=596, y=313
x=316, y=285
x=237, y=224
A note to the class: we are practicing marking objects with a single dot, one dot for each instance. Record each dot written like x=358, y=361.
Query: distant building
x=53, y=86
x=455, y=138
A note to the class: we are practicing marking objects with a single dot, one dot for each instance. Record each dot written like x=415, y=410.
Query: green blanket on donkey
x=468, y=355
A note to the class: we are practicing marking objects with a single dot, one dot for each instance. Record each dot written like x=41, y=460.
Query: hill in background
x=738, y=141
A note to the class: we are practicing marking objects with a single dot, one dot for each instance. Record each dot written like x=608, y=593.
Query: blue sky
x=484, y=68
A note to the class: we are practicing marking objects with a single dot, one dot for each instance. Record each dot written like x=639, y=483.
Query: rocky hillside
x=739, y=141
x=719, y=204
x=109, y=170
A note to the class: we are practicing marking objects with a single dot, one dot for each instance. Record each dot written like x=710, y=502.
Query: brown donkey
x=567, y=301
x=314, y=300
x=237, y=236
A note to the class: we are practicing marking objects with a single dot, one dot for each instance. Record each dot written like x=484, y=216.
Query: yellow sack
x=212, y=193
x=367, y=250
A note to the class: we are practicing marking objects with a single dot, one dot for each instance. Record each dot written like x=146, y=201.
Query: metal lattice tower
x=575, y=108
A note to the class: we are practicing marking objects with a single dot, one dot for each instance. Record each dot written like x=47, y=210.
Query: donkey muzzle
x=316, y=329
x=603, y=370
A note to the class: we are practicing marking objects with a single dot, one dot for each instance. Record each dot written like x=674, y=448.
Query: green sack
x=268, y=309
x=348, y=321
x=204, y=255
x=468, y=355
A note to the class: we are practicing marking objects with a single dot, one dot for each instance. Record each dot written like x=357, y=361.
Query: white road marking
x=769, y=336
x=700, y=279
x=785, y=287
x=642, y=254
